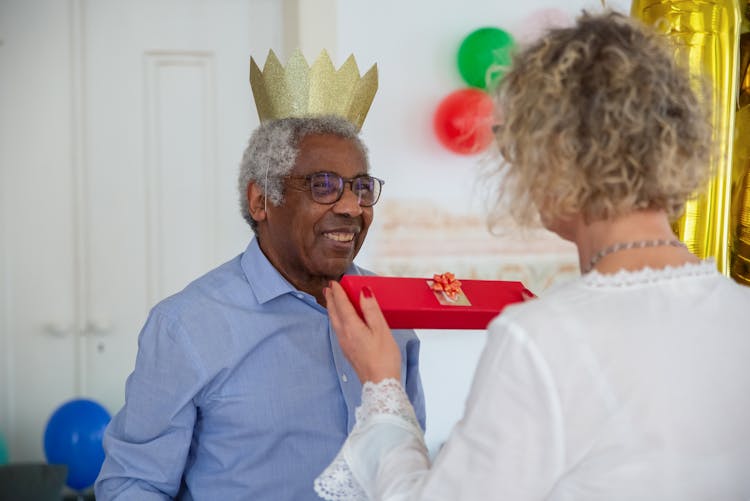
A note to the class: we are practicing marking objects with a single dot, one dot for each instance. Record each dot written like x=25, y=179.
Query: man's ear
x=256, y=202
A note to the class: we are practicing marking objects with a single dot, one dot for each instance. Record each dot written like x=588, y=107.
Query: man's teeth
x=340, y=237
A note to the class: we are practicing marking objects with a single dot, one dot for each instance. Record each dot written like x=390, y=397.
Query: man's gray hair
x=272, y=152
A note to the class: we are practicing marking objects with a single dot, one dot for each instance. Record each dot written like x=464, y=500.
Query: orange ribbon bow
x=446, y=283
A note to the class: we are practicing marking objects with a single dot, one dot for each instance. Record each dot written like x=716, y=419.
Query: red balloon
x=463, y=121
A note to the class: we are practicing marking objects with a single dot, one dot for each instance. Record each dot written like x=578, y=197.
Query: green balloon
x=483, y=55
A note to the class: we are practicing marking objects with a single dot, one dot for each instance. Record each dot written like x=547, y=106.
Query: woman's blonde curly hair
x=598, y=119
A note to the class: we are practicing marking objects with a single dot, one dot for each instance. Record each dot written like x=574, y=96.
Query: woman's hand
x=368, y=345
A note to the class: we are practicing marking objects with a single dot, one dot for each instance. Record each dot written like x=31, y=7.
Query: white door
x=37, y=315
x=123, y=124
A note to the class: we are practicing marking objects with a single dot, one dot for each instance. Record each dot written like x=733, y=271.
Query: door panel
x=121, y=130
x=37, y=314
x=166, y=125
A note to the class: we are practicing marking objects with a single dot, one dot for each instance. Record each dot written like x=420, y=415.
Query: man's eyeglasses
x=327, y=187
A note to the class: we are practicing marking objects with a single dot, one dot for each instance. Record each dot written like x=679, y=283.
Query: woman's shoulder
x=623, y=279
x=600, y=305
x=586, y=294
x=562, y=296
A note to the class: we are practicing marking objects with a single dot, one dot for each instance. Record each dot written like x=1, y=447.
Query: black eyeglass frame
x=342, y=186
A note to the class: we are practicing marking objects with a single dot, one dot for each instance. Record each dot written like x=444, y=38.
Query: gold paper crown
x=300, y=90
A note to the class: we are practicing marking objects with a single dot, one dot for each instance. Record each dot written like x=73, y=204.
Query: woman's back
x=650, y=369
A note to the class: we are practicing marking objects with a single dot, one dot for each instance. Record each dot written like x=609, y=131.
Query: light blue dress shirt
x=240, y=392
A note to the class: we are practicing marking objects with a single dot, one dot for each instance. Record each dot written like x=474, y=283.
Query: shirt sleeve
x=146, y=444
x=509, y=441
x=413, y=381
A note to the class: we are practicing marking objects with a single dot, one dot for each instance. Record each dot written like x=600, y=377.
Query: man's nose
x=348, y=203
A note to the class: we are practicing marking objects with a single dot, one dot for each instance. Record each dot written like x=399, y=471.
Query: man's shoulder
x=220, y=303
x=222, y=285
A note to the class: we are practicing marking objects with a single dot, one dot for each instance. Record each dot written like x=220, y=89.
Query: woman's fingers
x=374, y=318
x=349, y=327
x=368, y=344
x=387, y=363
x=333, y=312
x=346, y=316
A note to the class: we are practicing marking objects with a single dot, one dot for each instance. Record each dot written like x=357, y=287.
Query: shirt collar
x=265, y=280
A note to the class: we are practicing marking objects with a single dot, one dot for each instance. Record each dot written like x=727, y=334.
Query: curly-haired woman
x=630, y=383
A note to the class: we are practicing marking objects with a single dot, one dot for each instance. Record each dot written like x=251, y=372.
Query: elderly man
x=240, y=390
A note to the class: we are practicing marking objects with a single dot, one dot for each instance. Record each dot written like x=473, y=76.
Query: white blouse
x=632, y=386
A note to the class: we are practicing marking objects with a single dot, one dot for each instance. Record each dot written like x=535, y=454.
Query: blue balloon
x=73, y=437
x=3, y=451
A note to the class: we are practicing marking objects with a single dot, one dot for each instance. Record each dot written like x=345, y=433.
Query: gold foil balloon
x=705, y=34
x=740, y=246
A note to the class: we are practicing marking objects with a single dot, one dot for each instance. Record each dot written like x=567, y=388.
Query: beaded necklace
x=638, y=244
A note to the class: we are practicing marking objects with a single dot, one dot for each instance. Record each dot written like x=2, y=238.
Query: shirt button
x=344, y=378
x=299, y=295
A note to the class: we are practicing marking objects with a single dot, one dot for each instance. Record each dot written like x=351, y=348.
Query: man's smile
x=339, y=236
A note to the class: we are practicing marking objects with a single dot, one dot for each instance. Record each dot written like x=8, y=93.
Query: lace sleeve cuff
x=384, y=398
x=351, y=475
x=337, y=483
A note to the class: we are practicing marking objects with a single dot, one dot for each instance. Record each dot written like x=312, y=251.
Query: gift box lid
x=411, y=303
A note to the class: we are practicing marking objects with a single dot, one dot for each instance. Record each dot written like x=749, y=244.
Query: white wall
x=414, y=44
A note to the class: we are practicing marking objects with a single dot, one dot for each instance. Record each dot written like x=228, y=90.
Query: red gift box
x=411, y=303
